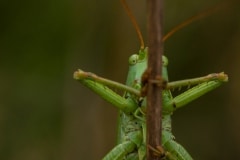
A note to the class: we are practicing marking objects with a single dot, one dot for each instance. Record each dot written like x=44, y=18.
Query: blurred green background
x=46, y=115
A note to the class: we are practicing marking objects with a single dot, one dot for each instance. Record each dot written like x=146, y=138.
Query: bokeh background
x=46, y=115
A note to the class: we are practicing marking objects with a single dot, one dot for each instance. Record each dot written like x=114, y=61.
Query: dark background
x=46, y=115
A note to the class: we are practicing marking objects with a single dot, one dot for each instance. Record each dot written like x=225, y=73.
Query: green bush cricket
x=132, y=105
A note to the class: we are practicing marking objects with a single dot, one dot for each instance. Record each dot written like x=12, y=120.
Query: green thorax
x=137, y=66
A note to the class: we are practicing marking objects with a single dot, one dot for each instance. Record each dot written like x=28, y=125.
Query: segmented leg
x=192, y=94
x=175, y=151
x=120, y=151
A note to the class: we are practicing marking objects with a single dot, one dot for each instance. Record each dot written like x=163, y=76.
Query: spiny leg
x=174, y=151
x=171, y=149
x=196, y=91
x=88, y=80
x=221, y=77
x=81, y=75
x=120, y=151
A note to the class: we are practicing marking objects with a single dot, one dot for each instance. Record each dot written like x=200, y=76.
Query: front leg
x=196, y=91
x=173, y=150
x=99, y=86
x=120, y=151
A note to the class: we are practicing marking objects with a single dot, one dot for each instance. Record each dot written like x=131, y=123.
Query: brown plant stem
x=154, y=71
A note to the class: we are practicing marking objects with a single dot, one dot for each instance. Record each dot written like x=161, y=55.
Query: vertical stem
x=154, y=92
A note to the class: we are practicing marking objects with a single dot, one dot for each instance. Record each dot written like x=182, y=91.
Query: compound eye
x=133, y=59
x=164, y=61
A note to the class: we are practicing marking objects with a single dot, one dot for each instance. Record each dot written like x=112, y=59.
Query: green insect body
x=132, y=123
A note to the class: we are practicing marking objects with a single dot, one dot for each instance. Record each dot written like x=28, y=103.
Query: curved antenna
x=192, y=19
x=134, y=22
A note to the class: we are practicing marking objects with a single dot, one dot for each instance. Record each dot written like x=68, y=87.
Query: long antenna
x=133, y=19
x=203, y=14
x=192, y=19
